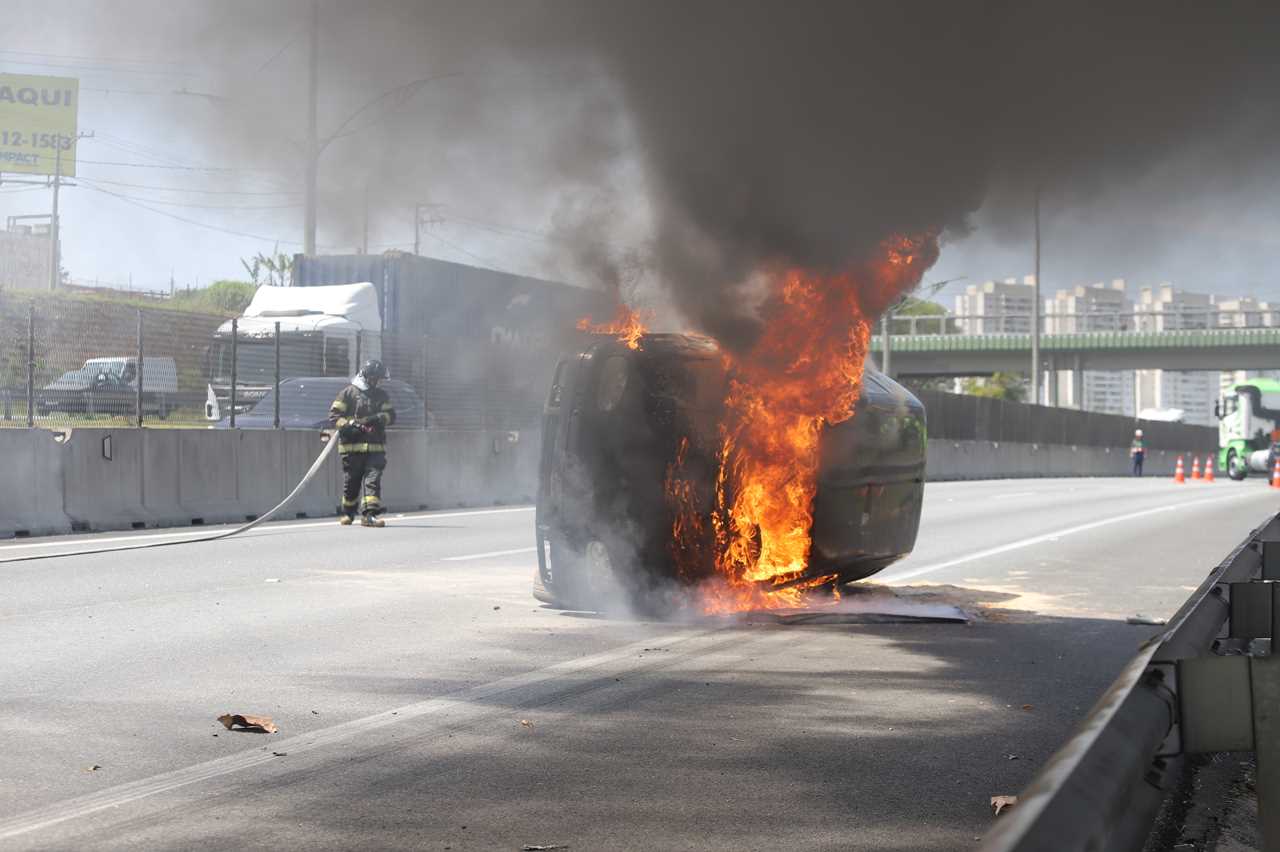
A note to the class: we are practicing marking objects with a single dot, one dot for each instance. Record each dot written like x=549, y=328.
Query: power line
x=191, y=189
x=105, y=69
x=91, y=58
x=169, y=203
x=194, y=222
x=178, y=168
x=462, y=250
x=500, y=230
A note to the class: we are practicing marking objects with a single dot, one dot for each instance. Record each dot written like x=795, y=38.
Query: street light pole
x=313, y=141
x=884, y=342
x=1035, y=313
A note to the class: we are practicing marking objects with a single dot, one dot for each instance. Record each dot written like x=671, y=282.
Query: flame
x=804, y=372
x=627, y=325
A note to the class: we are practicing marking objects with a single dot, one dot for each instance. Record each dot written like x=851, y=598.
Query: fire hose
x=297, y=489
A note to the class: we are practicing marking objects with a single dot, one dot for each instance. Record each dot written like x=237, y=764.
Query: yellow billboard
x=38, y=124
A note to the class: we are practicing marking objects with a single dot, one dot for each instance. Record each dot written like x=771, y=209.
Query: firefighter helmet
x=373, y=369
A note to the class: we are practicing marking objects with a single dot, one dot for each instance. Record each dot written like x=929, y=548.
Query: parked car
x=304, y=404
x=109, y=385
x=613, y=421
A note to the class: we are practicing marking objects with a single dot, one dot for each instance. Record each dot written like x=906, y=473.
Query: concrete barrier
x=102, y=475
x=956, y=460
x=99, y=479
x=31, y=502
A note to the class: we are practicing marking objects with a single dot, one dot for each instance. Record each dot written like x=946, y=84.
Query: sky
x=195, y=160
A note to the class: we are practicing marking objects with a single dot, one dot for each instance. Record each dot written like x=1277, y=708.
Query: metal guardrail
x=1102, y=790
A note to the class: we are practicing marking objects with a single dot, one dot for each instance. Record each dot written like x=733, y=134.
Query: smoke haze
x=693, y=143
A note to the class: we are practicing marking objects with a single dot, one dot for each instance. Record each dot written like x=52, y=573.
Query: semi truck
x=1249, y=428
x=426, y=296
x=324, y=331
x=478, y=344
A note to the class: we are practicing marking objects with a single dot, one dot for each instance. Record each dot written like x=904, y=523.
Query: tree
x=910, y=306
x=275, y=269
x=222, y=297
x=1011, y=387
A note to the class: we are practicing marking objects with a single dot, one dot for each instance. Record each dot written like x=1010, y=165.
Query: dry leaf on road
x=257, y=724
x=999, y=803
x=527, y=724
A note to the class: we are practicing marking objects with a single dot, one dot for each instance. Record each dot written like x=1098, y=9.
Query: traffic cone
x=1178, y=475
x=1195, y=467
x=1208, y=469
x=1275, y=474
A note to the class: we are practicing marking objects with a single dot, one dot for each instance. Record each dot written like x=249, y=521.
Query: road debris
x=1010, y=756
x=93, y=767
x=541, y=847
x=525, y=723
x=255, y=724
x=1145, y=619
x=999, y=803
x=279, y=754
x=1028, y=706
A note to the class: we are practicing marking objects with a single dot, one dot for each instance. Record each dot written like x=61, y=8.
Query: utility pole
x=55, y=232
x=1035, y=313
x=417, y=229
x=313, y=141
x=54, y=258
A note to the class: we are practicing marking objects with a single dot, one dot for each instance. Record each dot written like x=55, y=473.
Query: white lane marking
x=1015, y=494
x=279, y=526
x=1047, y=537
x=476, y=700
x=490, y=553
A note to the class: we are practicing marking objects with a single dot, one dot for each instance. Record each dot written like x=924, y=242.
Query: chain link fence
x=68, y=362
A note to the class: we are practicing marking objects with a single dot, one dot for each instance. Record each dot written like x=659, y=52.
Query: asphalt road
x=426, y=701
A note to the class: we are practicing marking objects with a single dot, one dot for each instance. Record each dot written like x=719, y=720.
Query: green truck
x=1248, y=436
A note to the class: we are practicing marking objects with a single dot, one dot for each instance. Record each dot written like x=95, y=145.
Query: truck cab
x=324, y=331
x=1248, y=418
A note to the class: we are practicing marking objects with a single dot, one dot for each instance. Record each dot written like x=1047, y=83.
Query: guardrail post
x=276, y=413
x=1265, y=680
x=138, y=395
x=31, y=365
x=1233, y=704
x=235, y=365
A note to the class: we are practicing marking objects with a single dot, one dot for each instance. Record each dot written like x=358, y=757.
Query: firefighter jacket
x=362, y=416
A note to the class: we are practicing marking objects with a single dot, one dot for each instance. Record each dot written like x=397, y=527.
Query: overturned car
x=618, y=419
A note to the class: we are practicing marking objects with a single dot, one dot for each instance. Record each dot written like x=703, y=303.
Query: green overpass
x=1181, y=349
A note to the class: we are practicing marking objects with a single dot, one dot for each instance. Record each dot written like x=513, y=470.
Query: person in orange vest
x=1138, y=451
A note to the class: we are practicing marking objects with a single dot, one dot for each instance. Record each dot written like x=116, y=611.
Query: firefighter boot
x=372, y=521
x=345, y=520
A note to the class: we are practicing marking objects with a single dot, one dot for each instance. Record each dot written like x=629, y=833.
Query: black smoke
x=701, y=141
x=805, y=133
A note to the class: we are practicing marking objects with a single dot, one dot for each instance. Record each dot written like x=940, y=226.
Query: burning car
x=631, y=487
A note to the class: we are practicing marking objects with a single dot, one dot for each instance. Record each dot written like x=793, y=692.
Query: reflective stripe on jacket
x=361, y=448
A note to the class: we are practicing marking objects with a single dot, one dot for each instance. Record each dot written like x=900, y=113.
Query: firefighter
x=362, y=413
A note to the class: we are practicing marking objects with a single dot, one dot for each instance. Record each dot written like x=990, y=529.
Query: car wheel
x=1236, y=468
